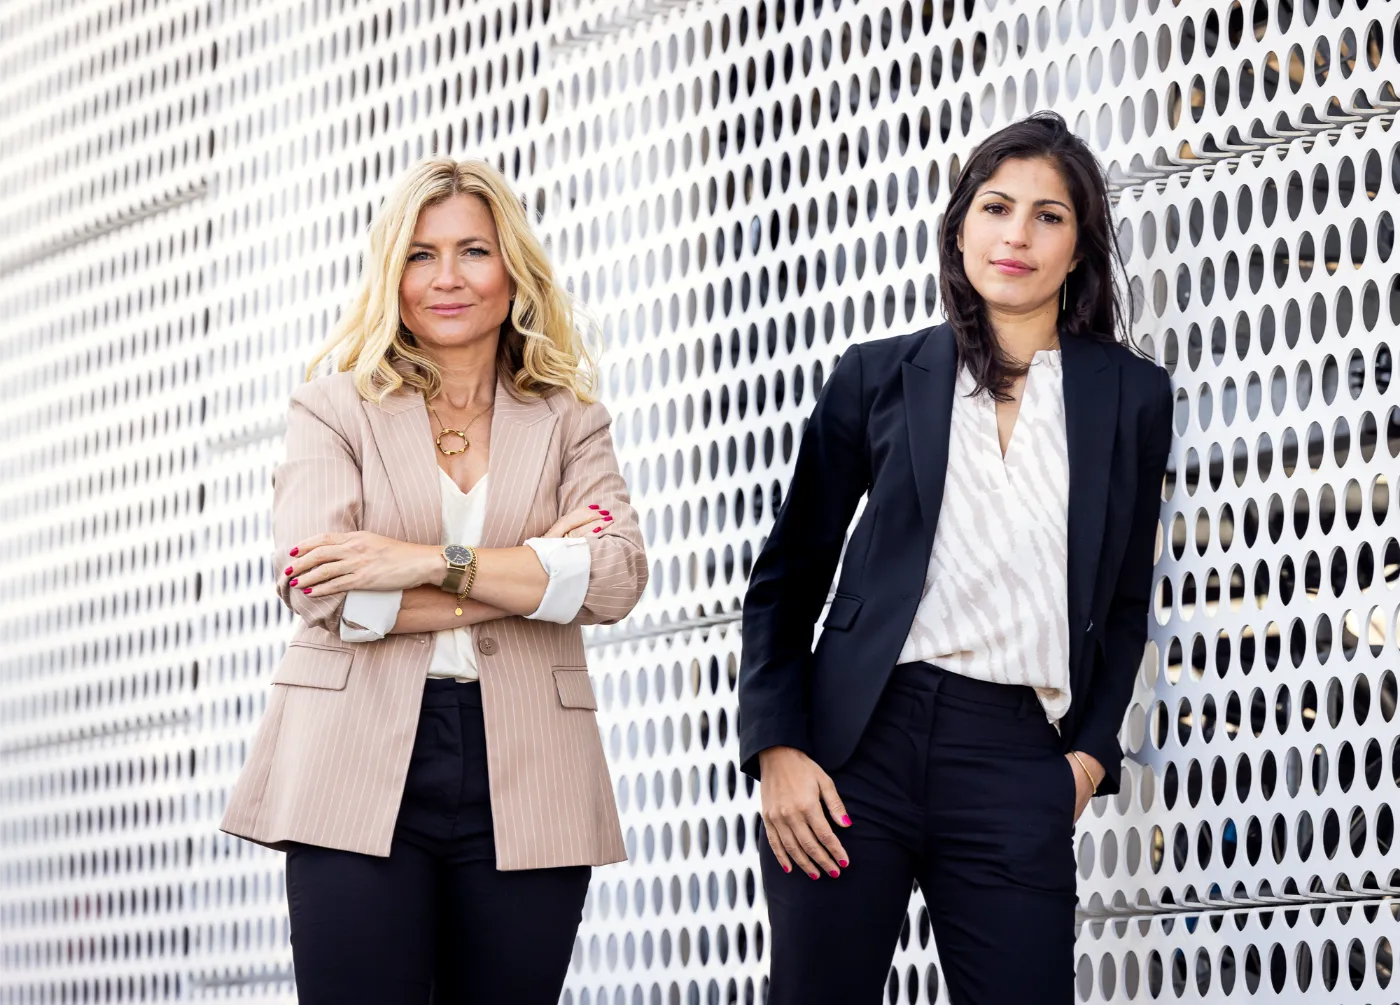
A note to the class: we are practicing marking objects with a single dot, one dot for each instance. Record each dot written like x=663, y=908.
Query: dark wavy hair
x=1094, y=309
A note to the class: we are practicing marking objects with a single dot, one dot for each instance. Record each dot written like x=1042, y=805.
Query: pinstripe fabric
x=328, y=763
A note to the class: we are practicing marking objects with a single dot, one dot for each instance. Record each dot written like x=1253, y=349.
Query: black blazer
x=880, y=424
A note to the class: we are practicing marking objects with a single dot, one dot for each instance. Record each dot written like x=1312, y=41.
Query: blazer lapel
x=929, y=381
x=520, y=433
x=1091, y=421
x=404, y=438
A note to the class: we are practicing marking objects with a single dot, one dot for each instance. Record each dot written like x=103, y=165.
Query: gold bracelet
x=1075, y=754
x=471, y=578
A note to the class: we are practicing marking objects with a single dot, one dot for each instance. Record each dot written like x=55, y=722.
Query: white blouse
x=368, y=615
x=995, y=598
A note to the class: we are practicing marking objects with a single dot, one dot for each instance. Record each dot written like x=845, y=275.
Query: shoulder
x=884, y=353
x=329, y=394
x=1137, y=368
x=875, y=361
x=577, y=419
x=1146, y=389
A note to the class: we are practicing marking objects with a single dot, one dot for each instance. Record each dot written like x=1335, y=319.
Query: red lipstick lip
x=1012, y=263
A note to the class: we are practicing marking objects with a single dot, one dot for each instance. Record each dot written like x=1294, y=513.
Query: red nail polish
x=292, y=583
x=596, y=529
x=293, y=552
x=815, y=875
x=592, y=505
x=787, y=868
x=834, y=874
x=604, y=512
x=843, y=863
x=307, y=590
x=846, y=820
x=607, y=518
x=287, y=571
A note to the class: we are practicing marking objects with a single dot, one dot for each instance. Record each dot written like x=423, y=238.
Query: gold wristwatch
x=461, y=560
x=458, y=557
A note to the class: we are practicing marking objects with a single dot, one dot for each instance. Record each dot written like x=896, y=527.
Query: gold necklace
x=455, y=432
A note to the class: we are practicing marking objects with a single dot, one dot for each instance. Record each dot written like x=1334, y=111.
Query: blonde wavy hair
x=542, y=342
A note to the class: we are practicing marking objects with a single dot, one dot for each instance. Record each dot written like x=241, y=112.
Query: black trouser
x=960, y=784
x=435, y=921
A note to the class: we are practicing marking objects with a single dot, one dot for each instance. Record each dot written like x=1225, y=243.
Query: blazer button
x=487, y=645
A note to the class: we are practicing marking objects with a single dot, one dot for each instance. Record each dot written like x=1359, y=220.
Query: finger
x=778, y=851
x=317, y=556
x=321, y=574
x=303, y=546
x=795, y=853
x=798, y=841
x=340, y=584
x=812, y=845
x=830, y=843
x=834, y=805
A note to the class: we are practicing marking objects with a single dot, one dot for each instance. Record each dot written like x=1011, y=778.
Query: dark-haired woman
x=964, y=698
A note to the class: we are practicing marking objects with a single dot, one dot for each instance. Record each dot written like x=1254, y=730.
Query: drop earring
x=1063, y=287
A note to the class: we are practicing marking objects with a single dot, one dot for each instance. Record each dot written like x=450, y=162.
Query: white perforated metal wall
x=740, y=190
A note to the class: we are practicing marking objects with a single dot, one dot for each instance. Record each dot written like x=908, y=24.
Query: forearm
x=430, y=609
x=508, y=580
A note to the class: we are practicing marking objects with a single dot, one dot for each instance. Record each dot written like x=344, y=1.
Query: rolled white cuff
x=567, y=560
x=369, y=615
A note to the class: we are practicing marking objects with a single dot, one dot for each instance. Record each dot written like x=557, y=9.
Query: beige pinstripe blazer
x=327, y=766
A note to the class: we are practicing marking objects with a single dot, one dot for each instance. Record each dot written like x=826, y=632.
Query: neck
x=468, y=376
x=1023, y=335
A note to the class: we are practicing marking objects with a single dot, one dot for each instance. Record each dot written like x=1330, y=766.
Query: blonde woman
x=449, y=513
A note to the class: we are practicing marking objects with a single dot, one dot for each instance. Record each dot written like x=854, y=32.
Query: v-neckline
x=453, y=482
x=1040, y=356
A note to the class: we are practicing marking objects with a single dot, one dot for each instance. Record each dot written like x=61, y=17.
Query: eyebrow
x=1038, y=202
x=465, y=240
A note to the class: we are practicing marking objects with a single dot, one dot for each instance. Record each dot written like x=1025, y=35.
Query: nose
x=1016, y=231
x=448, y=274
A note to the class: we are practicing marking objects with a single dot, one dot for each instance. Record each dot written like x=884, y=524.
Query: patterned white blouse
x=995, y=596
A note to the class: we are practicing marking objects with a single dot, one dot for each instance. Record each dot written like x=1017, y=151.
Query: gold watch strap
x=452, y=582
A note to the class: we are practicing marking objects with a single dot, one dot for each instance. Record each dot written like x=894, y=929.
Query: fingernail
x=596, y=529
x=287, y=571
x=845, y=820
x=292, y=583
x=604, y=512
x=842, y=863
x=607, y=518
x=592, y=505
x=293, y=552
x=815, y=875
x=834, y=874
x=787, y=868
x=307, y=590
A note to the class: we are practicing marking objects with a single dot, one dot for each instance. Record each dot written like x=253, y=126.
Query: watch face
x=456, y=554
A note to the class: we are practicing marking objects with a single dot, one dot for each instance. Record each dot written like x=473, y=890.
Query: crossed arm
x=317, y=511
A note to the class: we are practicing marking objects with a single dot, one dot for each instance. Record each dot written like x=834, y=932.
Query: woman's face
x=455, y=290
x=1022, y=214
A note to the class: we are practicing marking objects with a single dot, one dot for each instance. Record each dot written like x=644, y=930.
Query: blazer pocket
x=308, y=665
x=843, y=611
x=574, y=687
